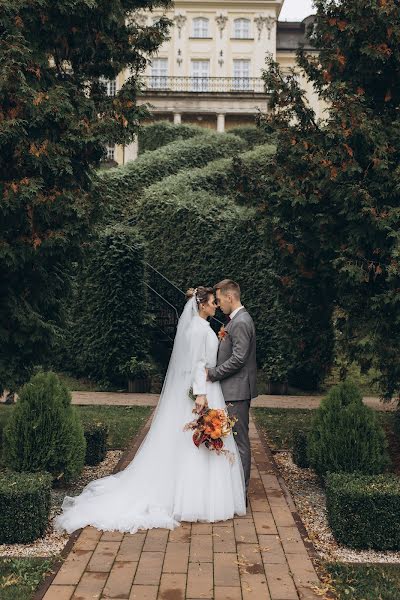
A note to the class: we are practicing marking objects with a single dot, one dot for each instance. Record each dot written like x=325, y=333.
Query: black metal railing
x=162, y=83
x=166, y=302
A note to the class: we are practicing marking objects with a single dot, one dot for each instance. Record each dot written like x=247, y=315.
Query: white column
x=221, y=123
x=177, y=118
x=131, y=151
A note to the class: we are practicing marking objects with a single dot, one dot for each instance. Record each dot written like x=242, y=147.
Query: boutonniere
x=222, y=333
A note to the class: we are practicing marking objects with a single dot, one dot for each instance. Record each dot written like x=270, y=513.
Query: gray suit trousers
x=240, y=409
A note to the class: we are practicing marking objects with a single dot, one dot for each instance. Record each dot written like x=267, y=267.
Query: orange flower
x=222, y=334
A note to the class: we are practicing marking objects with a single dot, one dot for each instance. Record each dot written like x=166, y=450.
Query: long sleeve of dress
x=199, y=360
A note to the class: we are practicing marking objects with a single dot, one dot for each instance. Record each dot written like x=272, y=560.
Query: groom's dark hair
x=228, y=285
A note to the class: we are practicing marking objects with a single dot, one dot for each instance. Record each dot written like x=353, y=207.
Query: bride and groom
x=171, y=480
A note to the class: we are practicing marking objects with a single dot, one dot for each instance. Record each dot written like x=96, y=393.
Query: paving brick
x=149, y=568
x=280, y=582
x=119, y=582
x=291, y=541
x=227, y=593
x=226, y=569
x=59, y=592
x=224, y=539
x=176, y=557
x=156, y=540
x=201, y=548
x=283, y=516
x=131, y=547
x=112, y=536
x=245, y=531
x=254, y=587
x=73, y=567
x=271, y=549
x=103, y=557
x=200, y=580
x=144, y=592
x=201, y=528
x=172, y=587
x=90, y=586
x=264, y=523
x=181, y=533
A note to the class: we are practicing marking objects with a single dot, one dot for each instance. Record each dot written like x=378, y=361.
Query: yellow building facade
x=209, y=70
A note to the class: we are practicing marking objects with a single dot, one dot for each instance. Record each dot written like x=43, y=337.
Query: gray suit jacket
x=236, y=361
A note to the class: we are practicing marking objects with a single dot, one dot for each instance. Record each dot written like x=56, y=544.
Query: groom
x=236, y=365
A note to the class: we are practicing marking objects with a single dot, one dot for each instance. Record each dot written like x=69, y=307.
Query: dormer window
x=241, y=28
x=201, y=27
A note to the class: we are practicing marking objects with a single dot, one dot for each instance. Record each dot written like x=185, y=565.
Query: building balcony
x=164, y=85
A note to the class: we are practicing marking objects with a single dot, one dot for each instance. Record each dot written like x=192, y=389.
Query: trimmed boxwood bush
x=109, y=319
x=300, y=449
x=162, y=133
x=364, y=511
x=44, y=432
x=346, y=435
x=24, y=506
x=96, y=442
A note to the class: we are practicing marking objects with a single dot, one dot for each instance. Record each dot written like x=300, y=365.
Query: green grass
x=279, y=424
x=19, y=577
x=365, y=582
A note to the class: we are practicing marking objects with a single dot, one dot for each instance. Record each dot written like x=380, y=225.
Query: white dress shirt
x=233, y=313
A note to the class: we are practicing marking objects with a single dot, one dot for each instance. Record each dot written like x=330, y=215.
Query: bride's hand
x=200, y=402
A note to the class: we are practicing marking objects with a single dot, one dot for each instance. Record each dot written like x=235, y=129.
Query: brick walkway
x=261, y=556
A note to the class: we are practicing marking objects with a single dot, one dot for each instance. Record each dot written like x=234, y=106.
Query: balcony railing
x=204, y=84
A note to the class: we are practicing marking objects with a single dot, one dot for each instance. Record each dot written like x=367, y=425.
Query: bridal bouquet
x=211, y=426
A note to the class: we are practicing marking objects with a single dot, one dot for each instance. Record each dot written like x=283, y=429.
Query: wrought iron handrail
x=168, y=301
x=164, y=83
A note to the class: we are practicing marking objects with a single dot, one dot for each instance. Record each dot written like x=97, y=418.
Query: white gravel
x=53, y=542
x=310, y=501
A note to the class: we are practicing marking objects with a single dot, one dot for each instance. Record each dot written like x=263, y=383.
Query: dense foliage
x=332, y=194
x=44, y=432
x=161, y=133
x=346, y=435
x=55, y=120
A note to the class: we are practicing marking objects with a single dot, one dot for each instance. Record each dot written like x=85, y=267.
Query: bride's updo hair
x=202, y=294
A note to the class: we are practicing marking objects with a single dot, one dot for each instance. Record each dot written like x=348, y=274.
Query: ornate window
x=110, y=151
x=201, y=27
x=241, y=74
x=159, y=73
x=200, y=74
x=241, y=28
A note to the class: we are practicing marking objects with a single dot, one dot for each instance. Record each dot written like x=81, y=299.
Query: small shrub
x=24, y=506
x=300, y=449
x=253, y=136
x=44, y=432
x=364, y=511
x=346, y=435
x=96, y=442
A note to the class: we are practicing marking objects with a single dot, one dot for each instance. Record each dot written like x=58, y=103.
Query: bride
x=170, y=479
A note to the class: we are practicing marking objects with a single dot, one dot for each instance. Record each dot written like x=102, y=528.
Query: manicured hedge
x=364, y=511
x=122, y=187
x=253, y=136
x=96, y=442
x=346, y=435
x=108, y=323
x=162, y=133
x=300, y=449
x=24, y=506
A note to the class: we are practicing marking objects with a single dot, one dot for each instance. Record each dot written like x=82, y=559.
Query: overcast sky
x=296, y=10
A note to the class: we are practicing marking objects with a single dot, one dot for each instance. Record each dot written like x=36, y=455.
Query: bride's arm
x=199, y=359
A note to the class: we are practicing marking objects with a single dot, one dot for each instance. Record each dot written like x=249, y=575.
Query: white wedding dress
x=169, y=480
